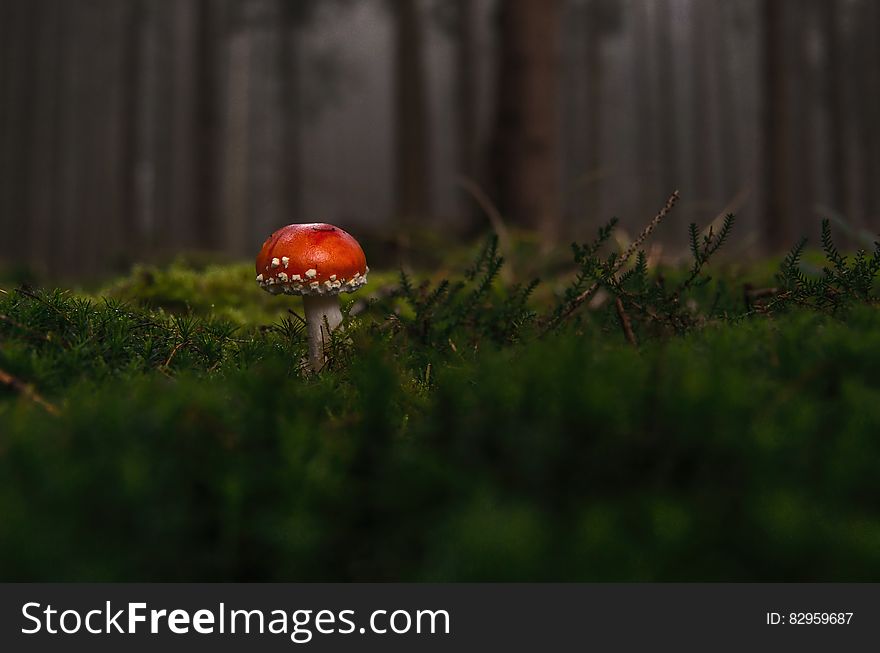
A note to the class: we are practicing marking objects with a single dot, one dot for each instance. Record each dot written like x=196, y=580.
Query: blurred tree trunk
x=466, y=87
x=730, y=177
x=868, y=107
x=184, y=128
x=107, y=179
x=599, y=19
x=45, y=135
x=835, y=94
x=411, y=129
x=206, y=122
x=8, y=12
x=87, y=156
x=171, y=142
x=133, y=112
x=18, y=93
x=575, y=42
x=526, y=146
x=266, y=195
x=704, y=111
x=775, y=215
x=802, y=183
x=670, y=174
x=92, y=55
x=68, y=225
x=646, y=125
x=291, y=114
x=594, y=81
x=236, y=140
x=466, y=97
x=161, y=157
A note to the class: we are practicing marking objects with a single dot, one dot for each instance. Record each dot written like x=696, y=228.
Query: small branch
x=732, y=206
x=667, y=208
x=644, y=310
x=584, y=296
x=27, y=392
x=495, y=219
x=173, y=353
x=780, y=299
x=625, y=324
x=491, y=211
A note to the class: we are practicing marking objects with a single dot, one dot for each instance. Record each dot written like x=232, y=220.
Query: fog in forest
x=136, y=130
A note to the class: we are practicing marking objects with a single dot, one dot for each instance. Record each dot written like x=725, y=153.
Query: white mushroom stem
x=321, y=311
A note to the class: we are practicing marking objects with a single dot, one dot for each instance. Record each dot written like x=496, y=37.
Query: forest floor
x=619, y=421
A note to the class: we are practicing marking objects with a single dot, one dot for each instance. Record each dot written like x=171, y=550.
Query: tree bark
x=292, y=113
x=236, y=140
x=595, y=80
x=835, y=94
x=163, y=231
x=802, y=184
x=18, y=92
x=646, y=127
x=466, y=87
x=44, y=179
x=184, y=124
x=670, y=175
x=869, y=106
x=132, y=115
x=704, y=123
x=206, y=123
x=101, y=225
x=411, y=133
x=730, y=171
x=774, y=128
x=526, y=146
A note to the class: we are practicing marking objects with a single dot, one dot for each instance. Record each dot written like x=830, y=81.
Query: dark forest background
x=137, y=129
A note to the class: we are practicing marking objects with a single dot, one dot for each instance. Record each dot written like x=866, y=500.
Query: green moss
x=458, y=440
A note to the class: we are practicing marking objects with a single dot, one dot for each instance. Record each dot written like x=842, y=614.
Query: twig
x=780, y=299
x=644, y=310
x=174, y=351
x=732, y=206
x=625, y=324
x=495, y=219
x=28, y=392
x=584, y=296
x=670, y=203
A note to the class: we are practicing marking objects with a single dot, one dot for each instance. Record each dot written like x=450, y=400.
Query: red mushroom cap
x=311, y=259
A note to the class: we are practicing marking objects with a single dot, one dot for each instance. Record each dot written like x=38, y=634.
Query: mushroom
x=317, y=261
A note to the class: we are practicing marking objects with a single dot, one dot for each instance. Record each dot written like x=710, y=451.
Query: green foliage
x=657, y=306
x=844, y=281
x=467, y=311
x=225, y=292
x=452, y=436
x=58, y=339
x=591, y=269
